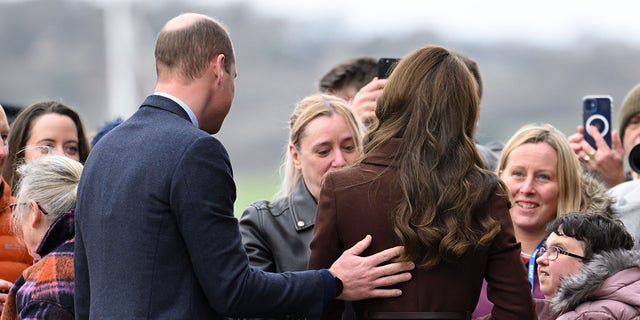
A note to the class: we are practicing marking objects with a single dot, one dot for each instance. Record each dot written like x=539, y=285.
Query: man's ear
x=220, y=60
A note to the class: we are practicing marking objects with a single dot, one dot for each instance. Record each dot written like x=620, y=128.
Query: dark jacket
x=608, y=287
x=156, y=237
x=360, y=200
x=277, y=234
x=45, y=290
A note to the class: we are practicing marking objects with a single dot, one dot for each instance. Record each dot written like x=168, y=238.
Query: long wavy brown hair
x=431, y=102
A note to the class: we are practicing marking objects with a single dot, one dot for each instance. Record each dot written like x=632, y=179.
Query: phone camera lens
x=591, y=105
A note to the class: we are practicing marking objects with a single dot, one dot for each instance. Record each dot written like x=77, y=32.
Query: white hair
x=52, y=182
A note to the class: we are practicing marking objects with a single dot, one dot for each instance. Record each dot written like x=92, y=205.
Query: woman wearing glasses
x=588, y=270
x=43, y=218
x=47, y=127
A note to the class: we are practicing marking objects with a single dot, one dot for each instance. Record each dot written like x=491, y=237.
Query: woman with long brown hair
x=421, y=184
x=45, y=127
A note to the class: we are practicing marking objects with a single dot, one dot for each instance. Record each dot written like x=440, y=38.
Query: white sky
x=555, y=23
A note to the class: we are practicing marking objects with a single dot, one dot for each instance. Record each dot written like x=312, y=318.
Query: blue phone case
x=596, y=111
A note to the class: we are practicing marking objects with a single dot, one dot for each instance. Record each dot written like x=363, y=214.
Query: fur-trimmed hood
x=595, y=194
x=609, y=277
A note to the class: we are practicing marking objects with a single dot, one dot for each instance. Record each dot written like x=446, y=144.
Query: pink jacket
x=608, y=287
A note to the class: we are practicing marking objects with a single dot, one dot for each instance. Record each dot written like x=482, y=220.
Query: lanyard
x=532, y=264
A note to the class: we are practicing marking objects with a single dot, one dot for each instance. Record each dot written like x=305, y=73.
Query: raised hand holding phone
x=385, y=66
x=364, y=102
x=601, y=150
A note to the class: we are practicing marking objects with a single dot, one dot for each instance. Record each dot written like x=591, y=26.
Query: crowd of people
x=389, y=208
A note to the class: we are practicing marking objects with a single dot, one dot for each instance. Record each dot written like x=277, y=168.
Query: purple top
x=484, y=305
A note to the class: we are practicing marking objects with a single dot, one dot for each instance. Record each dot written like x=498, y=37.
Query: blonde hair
x=568, y=167
x=307, y=110
x=52, y=182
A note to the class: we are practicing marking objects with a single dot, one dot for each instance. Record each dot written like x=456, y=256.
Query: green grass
x=254, y=187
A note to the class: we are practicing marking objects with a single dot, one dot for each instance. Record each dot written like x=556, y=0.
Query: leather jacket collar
x=302, y=206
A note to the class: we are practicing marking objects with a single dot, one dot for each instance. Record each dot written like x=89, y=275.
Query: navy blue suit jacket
x=155, y=231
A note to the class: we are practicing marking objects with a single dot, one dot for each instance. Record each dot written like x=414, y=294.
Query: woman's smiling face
x=531, y=176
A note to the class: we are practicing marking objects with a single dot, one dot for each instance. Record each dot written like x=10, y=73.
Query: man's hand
x=607, y=163
x=363, y=276
x=364, y=102
x=5, y=286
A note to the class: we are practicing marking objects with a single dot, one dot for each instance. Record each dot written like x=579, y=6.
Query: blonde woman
x=325, y=134
x=544, y=180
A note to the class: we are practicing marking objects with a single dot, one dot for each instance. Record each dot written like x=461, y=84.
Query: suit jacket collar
x=164, y=103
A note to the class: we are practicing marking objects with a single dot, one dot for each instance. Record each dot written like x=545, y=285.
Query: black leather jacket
x=276, y=234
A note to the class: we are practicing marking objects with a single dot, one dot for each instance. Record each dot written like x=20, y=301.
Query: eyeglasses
x=13, y=207
x=68, y=151
x=553, y=251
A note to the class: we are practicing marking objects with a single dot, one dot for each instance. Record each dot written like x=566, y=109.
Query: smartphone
x=596, y=111
x=385, y=66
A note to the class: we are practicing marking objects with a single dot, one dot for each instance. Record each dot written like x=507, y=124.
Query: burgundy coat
x=358, y=201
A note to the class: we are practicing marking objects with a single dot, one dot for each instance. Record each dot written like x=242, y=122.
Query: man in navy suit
x=155, y=231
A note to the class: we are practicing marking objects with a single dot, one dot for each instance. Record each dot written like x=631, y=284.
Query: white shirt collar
x=184, y=106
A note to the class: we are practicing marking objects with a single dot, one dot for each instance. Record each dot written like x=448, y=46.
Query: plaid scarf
x=45, y=290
